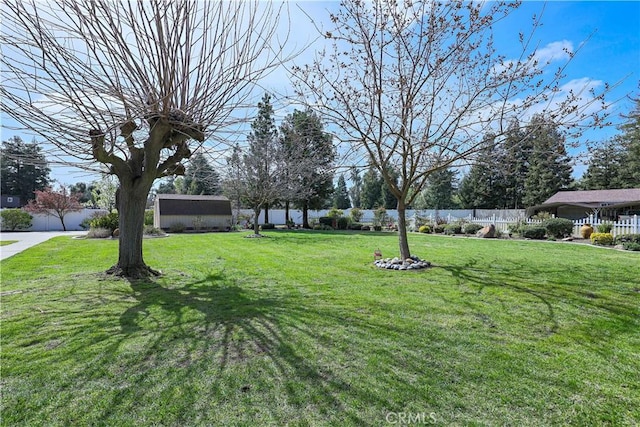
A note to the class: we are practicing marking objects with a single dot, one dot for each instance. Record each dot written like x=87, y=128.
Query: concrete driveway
x=28, y=239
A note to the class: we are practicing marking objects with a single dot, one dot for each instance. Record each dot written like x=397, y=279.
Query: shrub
x=15, y=219
x=268, y=226
x=515, y=228
x=356, y=226
x=558, y=227
x=325, y=220
x=453, y=229
x=343, y=223
x=322, y=227
x=99, y=233
x=356, y=214
x=108, y=221
x=627, y=238
x=377, y=228
x=177, y=227
x=471, y=228
x=424, y=229
x=631, y=246
x=630, y=242
x=380, y=216
x=198, y=223
x=150, y=230
x=148, y=217
x=605, y=227
x=532, y=231
x=334, y=213
x=603, y=239
x=439, y=228
x=542, y=215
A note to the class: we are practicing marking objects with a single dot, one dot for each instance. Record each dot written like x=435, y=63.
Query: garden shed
x=176, y=211
x=606, y=204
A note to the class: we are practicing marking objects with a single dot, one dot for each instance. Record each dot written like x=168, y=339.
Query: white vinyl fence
x=625, y=226
x=72, y=220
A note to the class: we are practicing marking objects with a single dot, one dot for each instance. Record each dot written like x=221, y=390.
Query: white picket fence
x=626, y=226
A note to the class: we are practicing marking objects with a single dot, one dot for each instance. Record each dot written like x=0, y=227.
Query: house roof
x=595, y=196
x=182, y=204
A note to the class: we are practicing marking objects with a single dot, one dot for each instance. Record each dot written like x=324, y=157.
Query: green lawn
x=300, y=328
x=7, y=242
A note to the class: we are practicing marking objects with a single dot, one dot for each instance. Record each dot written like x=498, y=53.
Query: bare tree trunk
x=402, y=231
x=131, y=206
x=266, y=213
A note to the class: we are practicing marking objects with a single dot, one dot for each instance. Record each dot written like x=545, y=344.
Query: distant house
x=192, y=212
x=9, y=202
x=605, y=204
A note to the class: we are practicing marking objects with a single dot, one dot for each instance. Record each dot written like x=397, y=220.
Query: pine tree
x=604, y=171
x=515, y=150
x=341, y=196
x=200, y=178
x=630, y=144
x=483, y=186
x=439, y=191
x=260, y=168
x=389, y=201
x=549, y=168
x=371, y=196
x=24, y=169
x=356, y=189
x=306, y=156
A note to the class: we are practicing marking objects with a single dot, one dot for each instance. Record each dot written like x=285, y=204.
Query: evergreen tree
x=82, y=191
x=630, y=144
x=24, y=169
x=356, y=189
x=604, y=171
x=260, y=167
x=306, y=157
x=438, y=194
x=167, y=187
x=483, y=186
x=233, y=186
x=389, y=201
x=515, y=151
x=371, y=196
x=200, y=177
x=549, y=168
x=341, y=196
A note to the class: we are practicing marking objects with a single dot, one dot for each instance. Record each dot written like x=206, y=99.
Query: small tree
x=55, y=203
x=104, y=193
x=415, y=85
x=15, y=219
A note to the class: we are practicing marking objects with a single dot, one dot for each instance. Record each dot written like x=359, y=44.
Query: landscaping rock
x=488, y=232
x=413, y=263
x=116, y=232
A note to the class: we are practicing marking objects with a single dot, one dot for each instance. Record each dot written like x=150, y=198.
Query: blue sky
x=611, y=30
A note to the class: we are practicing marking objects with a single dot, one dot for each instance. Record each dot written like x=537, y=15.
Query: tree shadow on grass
x=551, y=287
x=215, y=321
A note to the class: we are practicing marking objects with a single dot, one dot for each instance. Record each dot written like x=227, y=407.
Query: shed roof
x=595, y=196
x=184, y=204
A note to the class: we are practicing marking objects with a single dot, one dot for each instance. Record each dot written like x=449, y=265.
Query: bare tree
x=415, y=85
x=133, y=85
